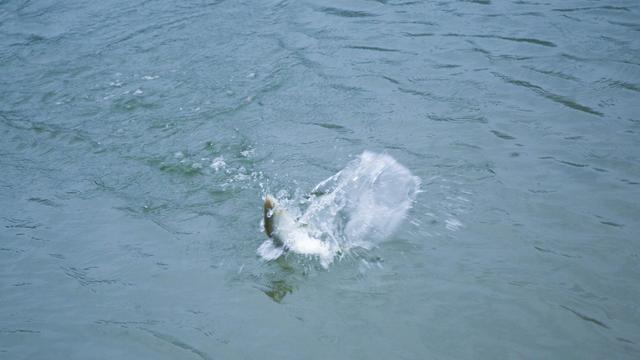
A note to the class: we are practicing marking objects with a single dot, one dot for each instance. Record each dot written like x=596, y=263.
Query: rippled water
x=139, y=138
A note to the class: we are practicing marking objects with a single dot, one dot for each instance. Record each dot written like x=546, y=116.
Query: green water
x=138, y=138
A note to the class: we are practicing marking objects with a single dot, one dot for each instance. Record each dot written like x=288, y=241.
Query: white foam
x=218, y=163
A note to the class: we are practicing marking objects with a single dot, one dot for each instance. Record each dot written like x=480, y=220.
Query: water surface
x=139, y=138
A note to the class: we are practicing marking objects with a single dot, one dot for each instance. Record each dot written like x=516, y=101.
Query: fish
x=269, y=217
x=287, y=233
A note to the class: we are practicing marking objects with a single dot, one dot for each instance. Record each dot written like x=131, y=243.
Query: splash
x=359, y=206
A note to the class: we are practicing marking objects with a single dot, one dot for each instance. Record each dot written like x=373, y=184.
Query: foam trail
x=357, y=207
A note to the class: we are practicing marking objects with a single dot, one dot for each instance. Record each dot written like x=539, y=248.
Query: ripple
x=632, y=26
x=45, y=202
x=330, y=126
x=574, y=164
x=586, y=317
x=507, y=38
x=543, y=250
x=81, y=275
x=371, y=48
x=502, y=135
x=611, y=223
x=605, y=7
x=481, y=2
x=624, y=85
x=553, y=73
x=345, y=13
x=425, y=34
x=560, y=99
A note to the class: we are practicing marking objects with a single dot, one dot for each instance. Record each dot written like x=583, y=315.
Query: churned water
x=139, y=138
x=358, y=207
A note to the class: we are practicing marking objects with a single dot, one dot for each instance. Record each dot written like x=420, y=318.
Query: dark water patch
x=624, y=340
x=330, y=126
x=346, y=88
x=511, y=57
x=407, y=3
x=471, y=146
x=415, y=22
x=470, y=118
x=526, y=13
x=630, y=182
x=371, y=48
x=345, y=13
x=57, y=256
x=515, y=39
x=416, y=92
x=574, y=57
x=564, y=162
x=481, y=2
x=480, y=50
x=553, y=73
x=45, y=202
x=605, y=7
x=390, y=79
x=570, y=163
x=585, y=317
x=611, y=223
x=523, y=2
x=549, y=95
x=445, y=66
x=408, y=34
x=277, y=290
x=507, y=38
x=502, y=135
x=35, y=38
x=12, y=250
